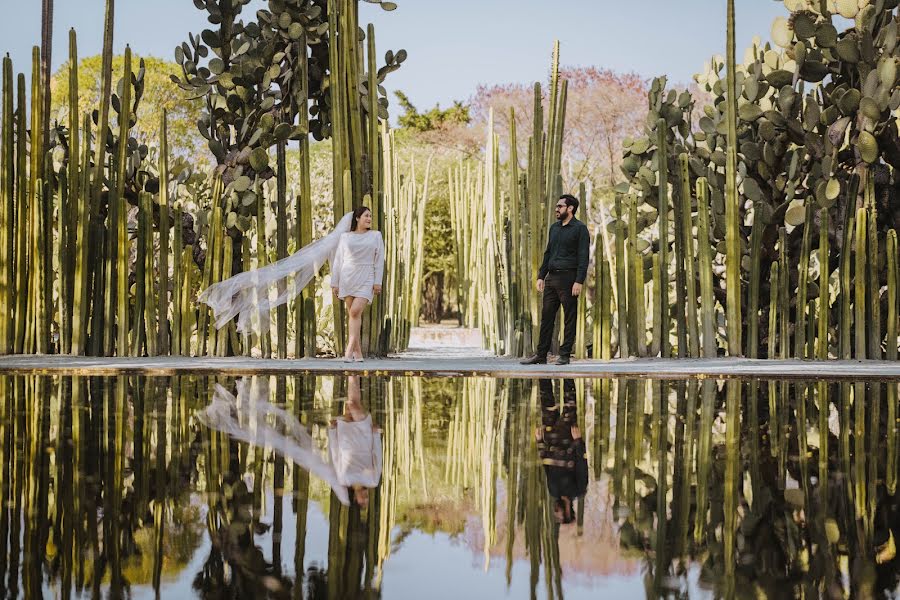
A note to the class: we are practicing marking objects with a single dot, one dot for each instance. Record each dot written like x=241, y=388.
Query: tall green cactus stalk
x=207, y=275
x=38, y=296
x=824, y=301
x=340, y=139
x=663, y=291
x=7, y=213
x=374, y=325
x=98, y=176
x=139, y=333
x=874, y=270
x=188, y=321
x=845, y=342
x=859, y=285
x=215, y=254
x=732, y=201
x=281, y=313
x=658, y=308
x=162, y=305
x=707, y=299
x=262, y=259
x=415, y=302
x=305, y=341
x=690, y=271
x=753, y=292
x=305, y=307
x=517, y=277
x=680, y=316
x=21, y=230
x=80, y=301
x=800, y=345
x=784, y=302
x=535, y=197
x=581, y=332
x=555, y=127
x=636, y=261
x=601, y=314
x=622, y=299
x=179, y=344
x=228, y=334
x=121, y=224
x=69, y=219
x=150, y=265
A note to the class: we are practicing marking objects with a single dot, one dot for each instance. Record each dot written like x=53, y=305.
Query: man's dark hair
x=570, y=201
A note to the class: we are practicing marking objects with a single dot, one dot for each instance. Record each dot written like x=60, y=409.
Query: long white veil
x=251, y=295
x=251, y=418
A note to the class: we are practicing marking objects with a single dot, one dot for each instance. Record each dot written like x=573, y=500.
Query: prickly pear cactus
x=815, y=107
x=250, y=75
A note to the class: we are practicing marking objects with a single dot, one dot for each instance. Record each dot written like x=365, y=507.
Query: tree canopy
x=159, y=94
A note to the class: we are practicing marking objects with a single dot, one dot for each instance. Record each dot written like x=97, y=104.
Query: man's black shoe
x=562, y=360
x=534, y=360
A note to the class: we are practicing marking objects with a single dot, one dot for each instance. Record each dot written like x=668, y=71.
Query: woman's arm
x=336, y=266
x=379, y=260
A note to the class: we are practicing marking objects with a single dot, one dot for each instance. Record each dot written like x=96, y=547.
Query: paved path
x=415, y=365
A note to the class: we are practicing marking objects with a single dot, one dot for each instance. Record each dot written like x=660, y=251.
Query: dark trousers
x=558, y=292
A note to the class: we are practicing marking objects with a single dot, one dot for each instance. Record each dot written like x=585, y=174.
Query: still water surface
x=337, y=487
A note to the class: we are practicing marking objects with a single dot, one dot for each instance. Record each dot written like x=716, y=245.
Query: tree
x=603, y=109
x=182, y=112
x=434, y=119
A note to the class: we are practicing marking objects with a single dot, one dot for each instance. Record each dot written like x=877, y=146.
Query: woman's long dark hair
x=360, y=211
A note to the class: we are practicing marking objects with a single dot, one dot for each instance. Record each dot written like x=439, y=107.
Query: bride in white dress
x=355, y=446
x=356, y=274
x=356, y=254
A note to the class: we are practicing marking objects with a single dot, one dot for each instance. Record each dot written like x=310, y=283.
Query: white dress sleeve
x=337, y=264
x=379, y=259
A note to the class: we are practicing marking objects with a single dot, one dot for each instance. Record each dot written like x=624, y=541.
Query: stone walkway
x=411, y=364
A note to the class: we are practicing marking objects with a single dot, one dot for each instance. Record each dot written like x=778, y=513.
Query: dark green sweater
x=568, y=247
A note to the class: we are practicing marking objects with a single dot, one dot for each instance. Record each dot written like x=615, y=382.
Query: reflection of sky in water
x=438, y=563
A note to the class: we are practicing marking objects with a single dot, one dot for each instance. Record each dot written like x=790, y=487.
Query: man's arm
x=581, y=467
x=545, y=265
x=584, y=254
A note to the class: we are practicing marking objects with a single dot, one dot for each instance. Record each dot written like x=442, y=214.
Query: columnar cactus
x=810, y=112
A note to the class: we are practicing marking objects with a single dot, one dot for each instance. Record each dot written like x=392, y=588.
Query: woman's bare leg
x=356, y=312
x=353, y=407
x=348, y=304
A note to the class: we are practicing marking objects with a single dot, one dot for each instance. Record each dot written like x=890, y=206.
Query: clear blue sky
x=453, y=45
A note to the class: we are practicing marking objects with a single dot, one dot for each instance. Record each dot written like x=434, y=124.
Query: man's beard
x=562, y=216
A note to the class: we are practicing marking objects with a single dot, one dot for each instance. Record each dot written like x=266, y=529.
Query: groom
x=561, y=278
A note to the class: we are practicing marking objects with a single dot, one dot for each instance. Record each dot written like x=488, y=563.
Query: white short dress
x=356, y=453
x=358, y=264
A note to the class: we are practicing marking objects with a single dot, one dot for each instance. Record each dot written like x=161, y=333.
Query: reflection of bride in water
x=354, y=458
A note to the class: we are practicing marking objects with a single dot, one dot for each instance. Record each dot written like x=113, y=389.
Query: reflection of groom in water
x=562, y=449
x=561, y=278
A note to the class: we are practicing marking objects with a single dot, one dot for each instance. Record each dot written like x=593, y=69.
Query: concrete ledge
x=455, y=367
